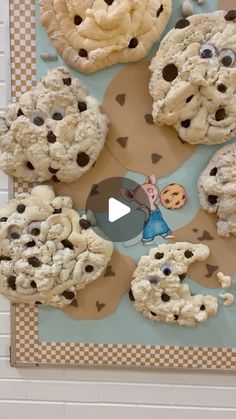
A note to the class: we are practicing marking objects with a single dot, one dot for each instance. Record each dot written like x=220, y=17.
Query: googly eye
x=57, y=113
x=227, y=58
x=38, y=118
x=34, y=228
x=167, y=269
x=207, y=51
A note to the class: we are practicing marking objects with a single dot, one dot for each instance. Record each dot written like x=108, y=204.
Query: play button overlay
x=117, y=204
x=117, y=210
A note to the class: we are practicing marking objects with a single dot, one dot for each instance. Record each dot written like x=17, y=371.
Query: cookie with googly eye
x=47, y=250
x=217, y=189
x=56, y=131
x=93, y=34
x=158, y=289
x=193, y=78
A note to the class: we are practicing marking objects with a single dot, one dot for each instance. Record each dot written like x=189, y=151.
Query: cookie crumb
x=225, y=280
x=228, y=298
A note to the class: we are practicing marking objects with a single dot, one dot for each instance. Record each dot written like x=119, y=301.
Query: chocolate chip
x=29, y=165
x=160, y=10
x=51, y=170
x=153, y=314
x=6, y=258
x=67, y=243
x=220, y=114
x=57, y=116
x=35, y=231
x=3, y=219
x=67, y=81
x=57, y=211
x=202, y=308
x=188, y=254
x=20, y=113
x=167, y=201
x=34, y=261
x=186, y=123
x=82, y=159
x=38, y=303
x=170, y=72
x=99, y=306
x=166, y=271
x=159, y=255
x=165, y=298
x=69, y=295
x=109, y=2
x=121, y=99
x=149, y=118
x=189, y=99
x=230, y=15
x=131, y=295
x=133, y=43
x=84, y=224
x=205, y=236
x=154, y=280
x=38, y=121
x=176, y=316
x=15, y=235
x=51, y=137
x=94, y=190
x=109, y=271
x=122, y=141
x=222, y=88
x=31, y=243
x=83, y=53
x=89, y=268
x=82, y=106
x=211, y=269
x=182, y=277
x=78, y=20
x=213, y=171
x=20, y=208
x=156, y=157
x=212, y=199
x=55, y=179
x=11, y=282
x=182, y=23
x=33, y=284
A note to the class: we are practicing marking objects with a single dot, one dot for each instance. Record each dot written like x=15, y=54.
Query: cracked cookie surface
x=158, y=291
x=193, y=79
x=93, y=34
x=47, y=250
x=56, y=131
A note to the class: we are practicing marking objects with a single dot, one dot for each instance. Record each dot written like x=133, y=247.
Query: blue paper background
x=126, y=325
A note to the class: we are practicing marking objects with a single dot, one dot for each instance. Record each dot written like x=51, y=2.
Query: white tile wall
x=101, y=394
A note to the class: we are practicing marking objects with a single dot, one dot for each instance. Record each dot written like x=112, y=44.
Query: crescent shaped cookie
x=193, y=79
x=93, y=34
x=47, y=250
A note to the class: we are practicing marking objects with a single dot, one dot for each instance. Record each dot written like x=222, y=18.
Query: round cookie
x=56, y=131
x=173, y=196
x=157, y=290
x=47, y=251
x=93, y=34
x=217, y=189
x=193, y=79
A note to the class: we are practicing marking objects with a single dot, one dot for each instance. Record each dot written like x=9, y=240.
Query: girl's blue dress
x=155, y=226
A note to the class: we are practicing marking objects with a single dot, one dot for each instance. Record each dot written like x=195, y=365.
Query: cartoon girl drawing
x=147, y=196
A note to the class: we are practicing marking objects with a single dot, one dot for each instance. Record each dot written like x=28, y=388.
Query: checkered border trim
x=27, y=348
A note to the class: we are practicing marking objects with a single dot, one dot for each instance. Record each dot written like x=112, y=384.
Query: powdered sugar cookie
x=47, y=250
x=157, y=290
x=93, y=34
x=193, y=79
x=56, y=131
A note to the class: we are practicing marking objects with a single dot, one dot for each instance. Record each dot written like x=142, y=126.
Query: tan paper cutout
x=226, y=4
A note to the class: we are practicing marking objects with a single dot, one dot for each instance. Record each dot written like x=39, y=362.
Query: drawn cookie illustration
x=133, y=139
x=93, y=34
x=56, y=131
x=173, y=196
x=217, y=189
x=194, y=78
x=158, y=291
x=47, y=250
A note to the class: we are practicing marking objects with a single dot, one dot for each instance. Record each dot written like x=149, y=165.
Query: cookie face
x=47, y=251
x=158, y=291
x=194, y=78
x=93, y=34
x=217, y=189
x=173, y=196
x=56, y=131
